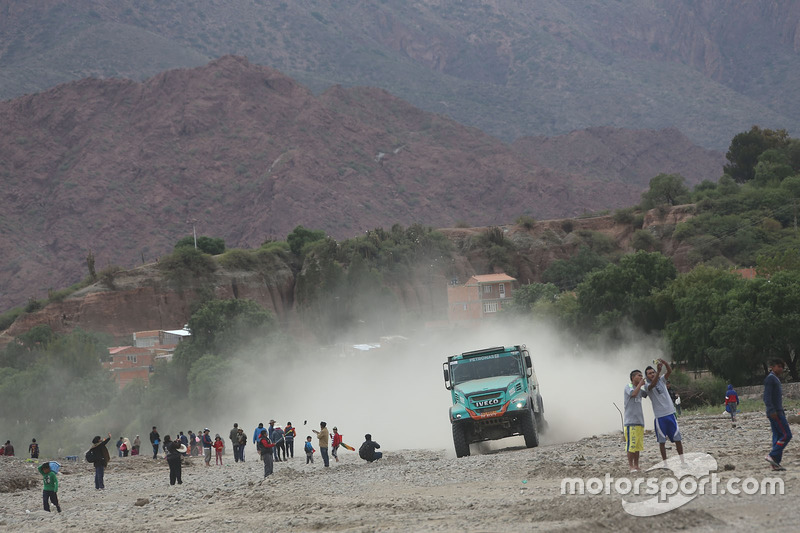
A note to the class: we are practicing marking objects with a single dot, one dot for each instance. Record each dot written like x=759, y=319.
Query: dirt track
x=512, y=489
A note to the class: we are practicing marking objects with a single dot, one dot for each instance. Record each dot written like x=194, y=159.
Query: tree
x=666, y=189
x=624, y=291
x=566, y=274
x=747, y=146
x=300, y=237
x=527, y=296
x=222, y=327
x=207, y=245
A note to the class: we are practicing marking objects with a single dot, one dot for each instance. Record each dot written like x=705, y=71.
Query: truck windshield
x=485, y=367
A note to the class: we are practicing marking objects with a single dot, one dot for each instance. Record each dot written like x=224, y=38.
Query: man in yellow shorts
x=634, y=418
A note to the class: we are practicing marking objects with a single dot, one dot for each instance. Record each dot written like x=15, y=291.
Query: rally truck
x=495, y=394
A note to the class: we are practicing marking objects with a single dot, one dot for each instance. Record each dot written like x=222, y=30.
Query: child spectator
x=219, y=445
x=50, y=490
x=731, y=403
x=309, y=450
x=337, y=441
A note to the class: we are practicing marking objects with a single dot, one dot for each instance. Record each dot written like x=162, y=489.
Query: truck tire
x=528, y=423
x=460, y=440
x=541, y=423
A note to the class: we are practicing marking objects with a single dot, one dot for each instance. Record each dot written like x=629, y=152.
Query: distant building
x=480, y=297
x=129, y=363
x=138, y=361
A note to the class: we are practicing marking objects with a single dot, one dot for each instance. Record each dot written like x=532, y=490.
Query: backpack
x=364, y=451
x=91, y=455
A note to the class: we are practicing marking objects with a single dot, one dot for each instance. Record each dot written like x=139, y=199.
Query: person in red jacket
x=265, y=448
x=219, y=445
x=337, y=441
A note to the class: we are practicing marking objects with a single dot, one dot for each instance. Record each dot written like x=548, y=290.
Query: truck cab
x=495, y=394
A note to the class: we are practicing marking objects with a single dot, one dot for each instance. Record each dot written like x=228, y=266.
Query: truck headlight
x=519, y=403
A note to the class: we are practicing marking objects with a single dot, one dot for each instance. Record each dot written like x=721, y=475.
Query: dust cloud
x=397, y=392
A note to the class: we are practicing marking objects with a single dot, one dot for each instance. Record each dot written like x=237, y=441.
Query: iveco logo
x=486, y=403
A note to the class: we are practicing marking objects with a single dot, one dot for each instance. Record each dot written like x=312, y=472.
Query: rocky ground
x=508, y=489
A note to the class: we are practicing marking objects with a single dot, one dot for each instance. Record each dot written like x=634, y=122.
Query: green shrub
x=237, y=259
x=33, y=305
x=209, y=245
x=186, y=263
x=624, y=216
x=568, y=225
x=8, y=318
x=107, y=275
x=526, y=221
x=638, y=221
x=644, y=240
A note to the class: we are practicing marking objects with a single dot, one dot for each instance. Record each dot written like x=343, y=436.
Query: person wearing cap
x=322, y=436
x=207, y=445
x=337, y=441
x=175, y=450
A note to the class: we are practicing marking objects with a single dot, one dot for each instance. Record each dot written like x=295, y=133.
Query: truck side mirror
x=447, y=384
x=528, y=364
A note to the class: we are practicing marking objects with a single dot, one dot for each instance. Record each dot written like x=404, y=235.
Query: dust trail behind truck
x=495, y=394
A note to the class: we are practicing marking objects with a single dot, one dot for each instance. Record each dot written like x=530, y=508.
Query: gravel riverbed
x=509, y=488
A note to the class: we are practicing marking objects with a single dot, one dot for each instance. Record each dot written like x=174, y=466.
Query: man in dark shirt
x=155, y=439
x=773, y=401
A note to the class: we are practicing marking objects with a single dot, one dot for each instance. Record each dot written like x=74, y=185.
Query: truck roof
x=485, y=351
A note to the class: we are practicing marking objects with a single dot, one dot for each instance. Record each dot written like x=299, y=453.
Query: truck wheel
x=541, y=423
x=460, y=441
x=529, y=430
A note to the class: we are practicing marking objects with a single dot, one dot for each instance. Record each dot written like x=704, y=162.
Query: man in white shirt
x=666, y=425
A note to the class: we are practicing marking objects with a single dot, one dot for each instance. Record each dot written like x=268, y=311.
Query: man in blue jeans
x=773, y=401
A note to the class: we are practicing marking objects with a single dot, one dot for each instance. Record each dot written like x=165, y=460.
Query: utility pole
x=193, y=222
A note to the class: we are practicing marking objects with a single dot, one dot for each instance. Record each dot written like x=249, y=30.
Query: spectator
x=175, y=451
x=368, y=449
x=100, y=458
x=731, y=403
x=337, y=441
x=137, y=444
x=155, y=440
x=242, y=444
x=234, y=436
x=265, y=449
x=33, y=449
x=219, y=446
x=280, y=444
x=50, y=490
x=322, y=437
x=207, y=445
x=289, y=433
x=773, y=401
x=309, y=449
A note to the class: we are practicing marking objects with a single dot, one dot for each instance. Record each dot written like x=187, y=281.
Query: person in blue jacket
x=773, y=401
x=257, y=432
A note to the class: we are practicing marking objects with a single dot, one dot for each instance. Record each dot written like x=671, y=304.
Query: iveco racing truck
x=495, y=394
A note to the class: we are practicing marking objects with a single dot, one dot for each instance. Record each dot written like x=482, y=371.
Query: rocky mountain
x=513, y=68
x=121, y=168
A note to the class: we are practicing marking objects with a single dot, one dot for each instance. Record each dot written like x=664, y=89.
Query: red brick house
x=480, y=297
x=129, y=363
